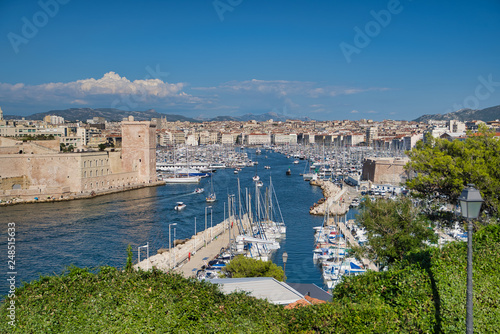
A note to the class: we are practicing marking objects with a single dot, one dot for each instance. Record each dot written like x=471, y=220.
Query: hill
x=110, y=114
x=116, y=115
x=425, y=293
x=464, y=115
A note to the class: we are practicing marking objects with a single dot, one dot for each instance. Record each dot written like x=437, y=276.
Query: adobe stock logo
x=372, y=29
x=221, y=7
x=30, y=28
x=482, y=92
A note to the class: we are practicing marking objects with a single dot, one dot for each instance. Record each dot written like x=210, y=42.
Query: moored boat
x=180, y=206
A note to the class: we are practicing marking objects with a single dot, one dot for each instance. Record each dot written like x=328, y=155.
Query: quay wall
x=58, y=194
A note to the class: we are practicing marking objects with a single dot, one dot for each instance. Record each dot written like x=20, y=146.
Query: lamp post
x=173, y=250
x=170, y=242
x=205, y=234
x=285, y=258
x=470, y=205
x=211, y=230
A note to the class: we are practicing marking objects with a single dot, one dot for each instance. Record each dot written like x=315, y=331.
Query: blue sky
x=323, y=59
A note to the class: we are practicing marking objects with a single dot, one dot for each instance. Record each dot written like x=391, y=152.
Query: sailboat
x=256, y=178
x=307, y=175
x=177, y=178
x=211, y=196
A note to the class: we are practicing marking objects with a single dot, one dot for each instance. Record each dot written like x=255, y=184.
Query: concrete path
x=189, y=267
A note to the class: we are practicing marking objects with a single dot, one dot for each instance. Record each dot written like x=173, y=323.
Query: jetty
x=187, y=258
x=336, y=199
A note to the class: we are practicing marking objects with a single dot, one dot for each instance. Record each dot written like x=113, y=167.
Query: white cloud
x=354, y=112
x=88, y=90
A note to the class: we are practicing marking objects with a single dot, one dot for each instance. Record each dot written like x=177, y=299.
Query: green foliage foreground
x=424, y=293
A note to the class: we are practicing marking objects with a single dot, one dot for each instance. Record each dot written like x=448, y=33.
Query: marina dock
x=353, y=242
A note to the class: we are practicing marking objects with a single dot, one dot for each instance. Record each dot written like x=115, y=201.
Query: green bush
x=242, y=266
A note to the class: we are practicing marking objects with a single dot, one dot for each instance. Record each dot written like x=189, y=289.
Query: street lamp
x=207, y=207
x=285, y=258
x=470, y=205
x=170, y=242
x=194, y=249
x=211, y=230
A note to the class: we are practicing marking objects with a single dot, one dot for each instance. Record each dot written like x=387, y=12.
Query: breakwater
x=336, y=199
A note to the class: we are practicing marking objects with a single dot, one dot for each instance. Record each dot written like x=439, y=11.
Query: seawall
x=85, y=195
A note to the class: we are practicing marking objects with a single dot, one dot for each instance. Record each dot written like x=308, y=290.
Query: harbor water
x=95, y=232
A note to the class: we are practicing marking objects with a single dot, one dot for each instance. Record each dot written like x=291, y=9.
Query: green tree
x=394, y=228
x=102, y=147
x=444, y=167
x=128, y=265
x=242, y=266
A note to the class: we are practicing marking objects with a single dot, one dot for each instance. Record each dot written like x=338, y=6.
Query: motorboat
x=267, y=167
x=186, y=179
x=199, y=190
x=256, y=178
x=180, y=206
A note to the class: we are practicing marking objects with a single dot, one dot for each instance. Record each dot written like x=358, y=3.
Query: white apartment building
x=228, y=138
x=258, y=139
x=284, y=139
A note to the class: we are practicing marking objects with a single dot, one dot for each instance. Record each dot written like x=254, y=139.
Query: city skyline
x=376, y=60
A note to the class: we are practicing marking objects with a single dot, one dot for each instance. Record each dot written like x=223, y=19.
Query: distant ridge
x=110, y=114
x=258, y=117
x=464, y=115
x=116, y=115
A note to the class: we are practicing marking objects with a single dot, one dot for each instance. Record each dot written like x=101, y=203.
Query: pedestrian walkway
x=189, y=257
x=188, y=268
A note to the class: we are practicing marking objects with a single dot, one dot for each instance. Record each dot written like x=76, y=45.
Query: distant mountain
x=223, y=119
x=259, y=118
x=110, y=114
x=464, y=115
x=116, y=115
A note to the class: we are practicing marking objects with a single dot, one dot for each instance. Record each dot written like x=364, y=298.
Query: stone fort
x=37, y=169
x=385, y=170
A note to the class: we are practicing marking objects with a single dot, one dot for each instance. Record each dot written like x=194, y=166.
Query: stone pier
x=189, y=257
x=336, y=199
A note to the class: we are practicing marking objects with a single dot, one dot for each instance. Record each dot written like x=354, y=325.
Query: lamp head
x=470, y=202
x=285, y=257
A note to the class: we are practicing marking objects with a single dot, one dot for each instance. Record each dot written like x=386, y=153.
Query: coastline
x=85, y=195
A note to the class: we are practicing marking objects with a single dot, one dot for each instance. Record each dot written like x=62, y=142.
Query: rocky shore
x=335, y=199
